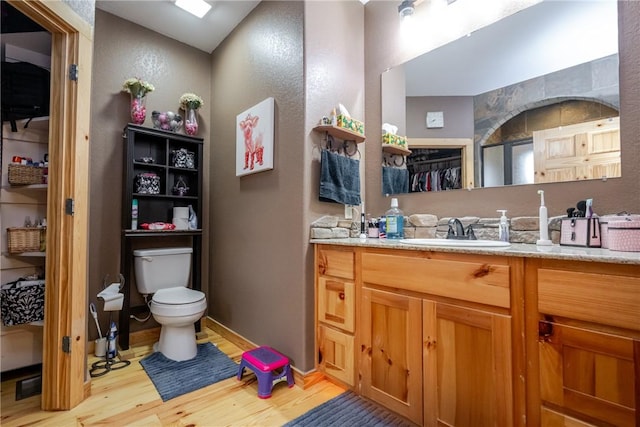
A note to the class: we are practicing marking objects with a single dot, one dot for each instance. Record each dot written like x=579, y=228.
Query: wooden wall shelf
x=341, y=133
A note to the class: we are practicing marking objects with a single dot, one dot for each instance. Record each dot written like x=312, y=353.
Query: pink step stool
x=263, y=361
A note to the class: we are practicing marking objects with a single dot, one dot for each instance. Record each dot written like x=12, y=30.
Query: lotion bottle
x=503, y=229
x=544, y=224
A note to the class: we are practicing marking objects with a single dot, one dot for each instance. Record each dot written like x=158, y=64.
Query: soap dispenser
x=503, y=229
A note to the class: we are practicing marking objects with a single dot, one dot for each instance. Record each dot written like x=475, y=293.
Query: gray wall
x=122, y=50
x=384, y=49
x=261, y=282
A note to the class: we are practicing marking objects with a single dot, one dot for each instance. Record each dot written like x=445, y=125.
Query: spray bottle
x=544, y=225
x=111, y=341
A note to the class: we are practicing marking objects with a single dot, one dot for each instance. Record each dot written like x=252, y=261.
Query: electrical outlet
x=348, y=212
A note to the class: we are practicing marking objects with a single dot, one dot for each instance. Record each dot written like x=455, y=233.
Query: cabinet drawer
x=468, y=280
x=601, y=298
x=336, y=354
x=334, y=261
x=336, y=303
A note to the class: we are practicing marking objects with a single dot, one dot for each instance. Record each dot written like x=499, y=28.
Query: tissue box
x=351, y=124
x=624, y=235
x=388, y=138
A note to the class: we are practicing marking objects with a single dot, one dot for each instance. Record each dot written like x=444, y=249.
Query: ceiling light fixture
x=198, y=8
x=406, y=9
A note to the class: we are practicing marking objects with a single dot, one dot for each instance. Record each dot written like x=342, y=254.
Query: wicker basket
x=23, y=239
x=25, y=175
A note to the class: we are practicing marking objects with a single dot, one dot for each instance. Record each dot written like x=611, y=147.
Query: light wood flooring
x=127, y=397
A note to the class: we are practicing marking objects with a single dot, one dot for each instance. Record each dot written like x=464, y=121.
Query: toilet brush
x=94, y=313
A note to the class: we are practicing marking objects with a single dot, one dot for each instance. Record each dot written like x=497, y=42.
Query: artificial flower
x=190, y=100
x=137, y=87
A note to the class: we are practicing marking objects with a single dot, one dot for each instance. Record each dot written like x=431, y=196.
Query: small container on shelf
x=24, y=239
x=25, y=174
x=147, y=183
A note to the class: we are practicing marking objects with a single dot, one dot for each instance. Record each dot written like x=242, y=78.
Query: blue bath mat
x=173, y=379
x=348, y=409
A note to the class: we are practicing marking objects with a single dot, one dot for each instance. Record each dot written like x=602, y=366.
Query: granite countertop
x=516, y=249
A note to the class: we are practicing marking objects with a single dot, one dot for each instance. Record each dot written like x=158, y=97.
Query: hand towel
x=339, y=179
x=395, y=180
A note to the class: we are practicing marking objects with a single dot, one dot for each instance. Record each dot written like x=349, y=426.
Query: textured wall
x=384, y=49
x=256, y=259
x=122, y=50
x=261, y=262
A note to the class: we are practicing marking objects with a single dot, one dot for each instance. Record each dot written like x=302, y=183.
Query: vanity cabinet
x=336, y=312
x=584, y=344
x=437, y=337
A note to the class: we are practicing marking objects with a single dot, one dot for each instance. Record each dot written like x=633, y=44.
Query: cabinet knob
x=341, y=296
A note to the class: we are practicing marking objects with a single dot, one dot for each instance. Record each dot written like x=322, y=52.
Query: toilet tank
x=161, y=268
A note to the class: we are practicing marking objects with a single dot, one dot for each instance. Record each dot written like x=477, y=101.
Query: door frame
x=65, y=382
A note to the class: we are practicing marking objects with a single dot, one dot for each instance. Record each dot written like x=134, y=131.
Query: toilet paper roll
x=181, y=213
x=181, y=223
x=112, y=298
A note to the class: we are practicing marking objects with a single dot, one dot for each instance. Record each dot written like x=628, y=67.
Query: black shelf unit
x=151, y=151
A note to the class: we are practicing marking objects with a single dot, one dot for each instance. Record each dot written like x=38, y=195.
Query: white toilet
x=165, y=274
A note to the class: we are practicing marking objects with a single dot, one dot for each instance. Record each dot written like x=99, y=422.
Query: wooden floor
x=127, y=397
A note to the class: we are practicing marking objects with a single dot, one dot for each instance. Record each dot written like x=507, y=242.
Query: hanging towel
x=339, y=179
x=395, y=180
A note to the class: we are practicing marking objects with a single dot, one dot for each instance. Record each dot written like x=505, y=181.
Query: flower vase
x=138, y=109
x=191, y=121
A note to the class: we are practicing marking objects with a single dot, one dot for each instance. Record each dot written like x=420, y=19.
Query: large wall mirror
x=533, y=97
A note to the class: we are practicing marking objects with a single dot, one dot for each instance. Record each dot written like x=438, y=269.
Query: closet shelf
x=341, y=133
x=25, y=187
x=26, y=254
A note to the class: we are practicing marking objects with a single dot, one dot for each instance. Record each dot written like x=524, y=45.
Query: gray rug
x=173, y=379
x=348, y=409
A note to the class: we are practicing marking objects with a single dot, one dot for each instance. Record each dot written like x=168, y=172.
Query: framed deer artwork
x=254, y=138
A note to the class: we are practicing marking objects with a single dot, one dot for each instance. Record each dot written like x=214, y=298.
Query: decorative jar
x=138, y=109
x=191, y=121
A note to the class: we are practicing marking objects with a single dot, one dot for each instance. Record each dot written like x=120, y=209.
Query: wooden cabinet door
x=336, y=354
x=391, y=362
x=589, y=374
x=467, y=367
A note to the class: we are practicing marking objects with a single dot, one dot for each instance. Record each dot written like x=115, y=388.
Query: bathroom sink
x=457, y=243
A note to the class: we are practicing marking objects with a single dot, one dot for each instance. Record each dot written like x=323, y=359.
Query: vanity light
x=406, y=9
x=198, y=8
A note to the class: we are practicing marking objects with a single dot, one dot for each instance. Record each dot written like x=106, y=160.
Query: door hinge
x=66, y=344
x=68, y=207
x=73, y=72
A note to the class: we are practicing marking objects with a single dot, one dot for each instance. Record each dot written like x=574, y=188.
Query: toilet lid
x=177, y=296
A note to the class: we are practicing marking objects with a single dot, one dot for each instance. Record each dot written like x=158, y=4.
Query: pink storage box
x=604, y=226
x=624, y=235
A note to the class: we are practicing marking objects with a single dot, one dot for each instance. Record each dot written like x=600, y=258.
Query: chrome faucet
x=456, y=231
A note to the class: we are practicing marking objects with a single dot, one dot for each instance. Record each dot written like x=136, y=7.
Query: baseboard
x=302, y=379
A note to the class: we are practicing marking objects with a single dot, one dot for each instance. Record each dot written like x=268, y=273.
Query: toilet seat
x=177, y=302
x=177, y=295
